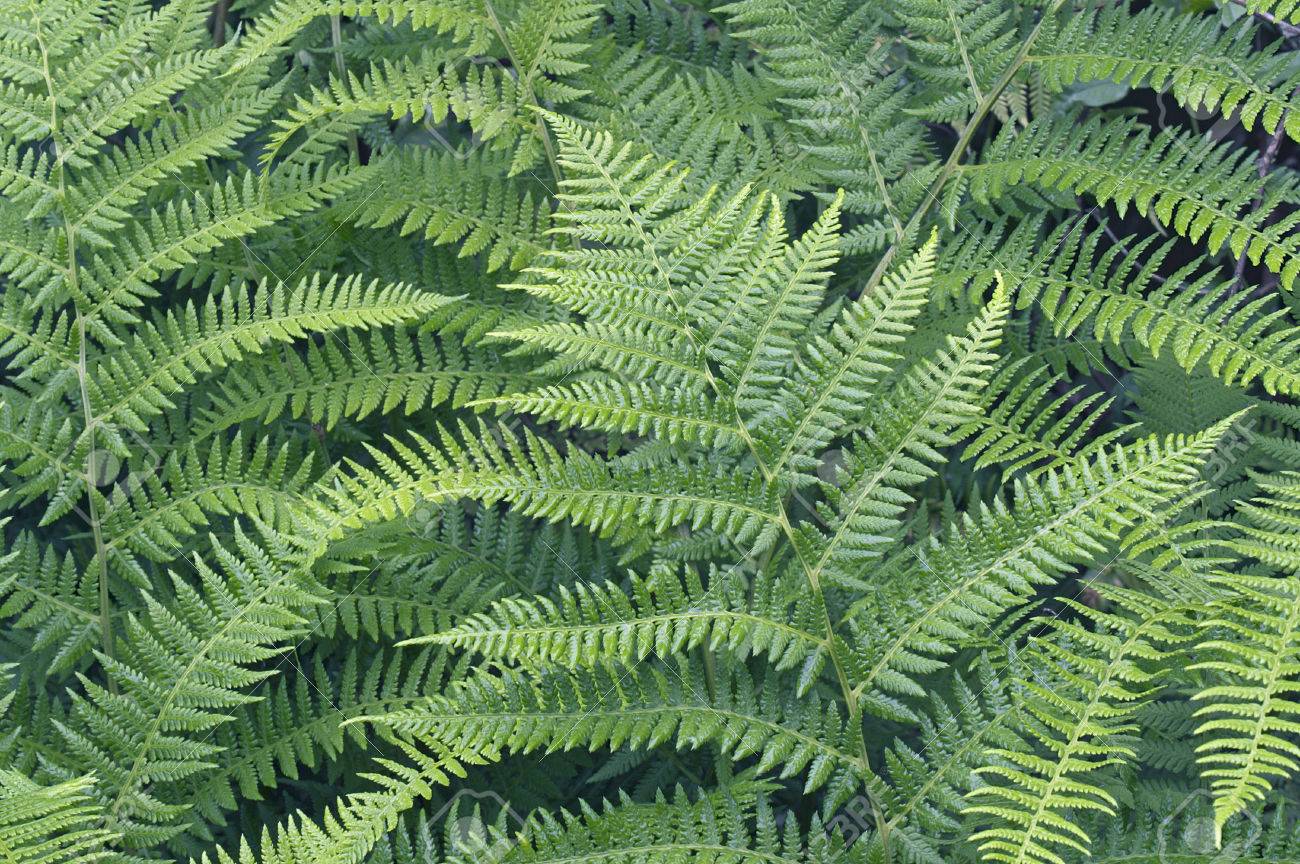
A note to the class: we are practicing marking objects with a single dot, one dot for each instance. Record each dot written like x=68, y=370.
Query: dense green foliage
x=647, y=430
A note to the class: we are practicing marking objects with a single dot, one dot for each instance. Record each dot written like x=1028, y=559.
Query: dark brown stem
x=1265, y=165
x=219, y=22
x=1287, y=30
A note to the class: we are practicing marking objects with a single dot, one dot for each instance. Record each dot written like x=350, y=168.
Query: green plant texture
x=555, y=431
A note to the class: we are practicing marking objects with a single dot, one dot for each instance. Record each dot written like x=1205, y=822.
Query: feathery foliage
x=649, y=430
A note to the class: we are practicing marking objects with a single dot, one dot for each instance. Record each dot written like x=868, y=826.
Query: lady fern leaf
x=541, y=430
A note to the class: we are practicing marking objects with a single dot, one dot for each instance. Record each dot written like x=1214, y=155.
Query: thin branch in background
x=1265, y=165
x=219, y=22
x=1269, y=155
x=1287, y=30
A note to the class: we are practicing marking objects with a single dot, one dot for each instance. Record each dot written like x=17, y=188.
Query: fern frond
x=761, y=339
x=663, y=614
x=998, y=554
x=464, y=199
x=834, y=374
x=116, y=102
x=358, y=820
x=412, y=86
x=830, y=62
x=355, y=376
x=118, y=280
x=1117, y=163
x=105, y=192
x=960, y=49
x=1248, y=708
x=298, y=725
x=156, y=512
x=1032, y=422
x=900, y=445
x=639, y=707
x=615, y=497
x=629, y=407
x=176, y=670
x=1089, y=678
x=927, y=778
x=1118, y=295
x=48, y=594
x=1191, y=56
x=724, y=825
x=172, y=350
x=51, y=824
x=464, y=19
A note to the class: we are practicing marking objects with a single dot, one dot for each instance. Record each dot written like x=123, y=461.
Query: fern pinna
x=649, y=430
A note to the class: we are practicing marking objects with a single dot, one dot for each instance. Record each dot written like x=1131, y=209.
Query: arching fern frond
x=120, y=279
x=1116, y=162
x=616, y=497
x=1032, y=422
x=171, y=351
x=51, y=824
x=629, y=407
x=1248, y=709
x=354, y=376
x=102, y=200
x=177, y=668
x=637, y=707
x=662, y=615
x=998, y=554
x=925, y=779
x=1088, y=679
x=1191, y=56
x=1118, y=295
